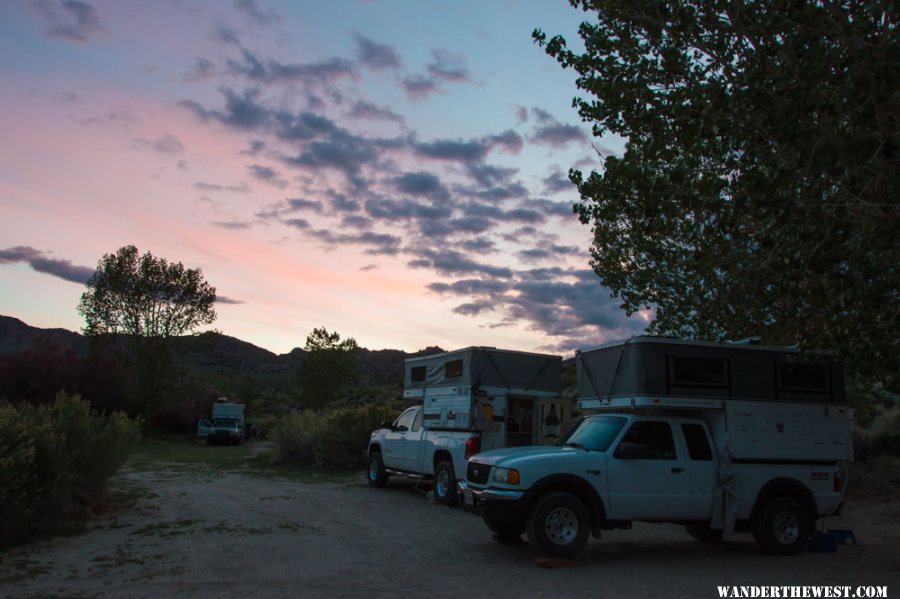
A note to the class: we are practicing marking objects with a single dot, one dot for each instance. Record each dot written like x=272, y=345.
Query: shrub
x=55, y=463
x=334, y=438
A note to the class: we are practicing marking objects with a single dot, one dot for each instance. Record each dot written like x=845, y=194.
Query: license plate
x=469, y=498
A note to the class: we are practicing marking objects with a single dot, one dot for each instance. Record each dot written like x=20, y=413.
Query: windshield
x=225, y=423
x=595, y=433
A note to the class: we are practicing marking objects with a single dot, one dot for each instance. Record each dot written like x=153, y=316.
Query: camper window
x=647, y=440
x=416, y=374
x=803, y=377
x=453, y=369
x=697, y=443
x=698, y=372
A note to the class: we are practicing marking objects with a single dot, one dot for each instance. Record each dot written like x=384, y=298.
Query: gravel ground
x=215, y=535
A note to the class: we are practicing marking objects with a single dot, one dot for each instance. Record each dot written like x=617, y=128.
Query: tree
x=758, y=191
x=150, y=300
x=329, y=366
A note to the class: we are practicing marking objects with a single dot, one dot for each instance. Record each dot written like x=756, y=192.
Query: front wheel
x=559, y=524
x=376, y=475
x=782, y=527
x=445, y=483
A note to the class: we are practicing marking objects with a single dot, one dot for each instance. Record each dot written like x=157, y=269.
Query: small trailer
x=512, y=397
x=466, y=401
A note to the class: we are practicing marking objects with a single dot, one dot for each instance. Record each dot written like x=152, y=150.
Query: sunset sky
x=395, y=171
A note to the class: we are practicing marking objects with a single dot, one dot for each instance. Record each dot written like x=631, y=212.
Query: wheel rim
x=373, y=469
x=442, y=483
x=561, y=526
x=786, y=527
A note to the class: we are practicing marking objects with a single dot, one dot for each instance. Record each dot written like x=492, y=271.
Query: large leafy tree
x=329, y=366
x=150, y=301
x=758, y=191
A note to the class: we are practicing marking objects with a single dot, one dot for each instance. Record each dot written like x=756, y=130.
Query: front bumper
x=493, y=503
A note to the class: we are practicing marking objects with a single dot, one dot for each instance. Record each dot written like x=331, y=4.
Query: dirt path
x=236, y=536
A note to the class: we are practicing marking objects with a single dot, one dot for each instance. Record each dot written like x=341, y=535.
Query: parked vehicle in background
x=203, y=428
x=471, y=400
x=718, y=437
x=227, y=424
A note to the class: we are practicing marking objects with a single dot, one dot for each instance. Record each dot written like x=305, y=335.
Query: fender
x=577, y=486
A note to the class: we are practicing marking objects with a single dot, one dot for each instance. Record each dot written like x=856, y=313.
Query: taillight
x=473, y=446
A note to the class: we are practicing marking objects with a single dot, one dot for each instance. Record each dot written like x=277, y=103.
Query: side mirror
x=386, y=424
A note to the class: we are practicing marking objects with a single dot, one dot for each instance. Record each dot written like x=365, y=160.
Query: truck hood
x=509, y=456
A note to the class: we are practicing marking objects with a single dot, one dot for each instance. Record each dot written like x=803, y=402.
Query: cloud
x=557, y=182
x=273, y=71
x=38, y=260
x=569, y=305
x=202, y=70
x=256, y=146
x=241, y=111
x=165, y=144
x=421, y=184
x=458, y=150
x=221, y=299
x=267, y=174
x=375, y=243
x=451, y=262
x=250, y=8
x=231, y=225
x=368, y=111
x=374, y=55
x=70, y=20
x=239, y=188
x=558, y=135
x=449, y=66
x=419, y=87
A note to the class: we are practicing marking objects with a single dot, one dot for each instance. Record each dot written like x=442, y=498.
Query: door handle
x=677, y=470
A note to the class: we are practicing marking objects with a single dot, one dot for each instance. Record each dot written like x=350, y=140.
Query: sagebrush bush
x=333, y=438
x=55, y=463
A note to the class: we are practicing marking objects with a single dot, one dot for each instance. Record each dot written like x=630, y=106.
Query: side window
x=697, y=443
x=416, y=374
x=647, y=440
x=417, y=423
x=453, y=369
x=405, y=420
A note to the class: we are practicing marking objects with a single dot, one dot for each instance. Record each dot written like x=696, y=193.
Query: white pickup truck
x=406, y=447
x=716, y=437
x=471, y=399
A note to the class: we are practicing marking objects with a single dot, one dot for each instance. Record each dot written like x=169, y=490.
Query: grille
x=477, y=473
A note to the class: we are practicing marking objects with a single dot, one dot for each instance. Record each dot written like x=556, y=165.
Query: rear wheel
x=703, y=533
x=782, y=527
x=445, y=483
x=559, y=524
x=375, y=475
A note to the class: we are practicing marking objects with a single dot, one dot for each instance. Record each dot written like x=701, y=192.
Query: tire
x=505, y=532
x=703, y=533
x=445, y=483
x=559, y=524
x=376, y=475
x=782, y=527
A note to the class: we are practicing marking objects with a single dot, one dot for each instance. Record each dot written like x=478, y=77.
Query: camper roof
x=485, y=366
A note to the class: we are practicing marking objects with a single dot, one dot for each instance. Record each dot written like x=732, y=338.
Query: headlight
x=508, y=476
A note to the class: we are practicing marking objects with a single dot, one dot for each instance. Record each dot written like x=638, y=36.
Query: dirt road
x=215, y=535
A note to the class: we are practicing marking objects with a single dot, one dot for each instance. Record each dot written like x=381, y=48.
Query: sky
x=395, y=171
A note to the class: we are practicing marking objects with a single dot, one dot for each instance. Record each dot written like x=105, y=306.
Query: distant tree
x=328, y=368
x=759, y=190
x=151, y=301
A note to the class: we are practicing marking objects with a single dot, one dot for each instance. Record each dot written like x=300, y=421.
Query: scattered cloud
x=221, y=299
x=202, y=70
x=551, y=132
x=165, y=144
x=252, y=10
x=449, y=66
x=267, y=174
x=374, y=55
x=231, y=225
x=368, y=111
x=419, y=87
x=40, y=262
x=238, y=188
x=70, y=20
x=273, y=72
